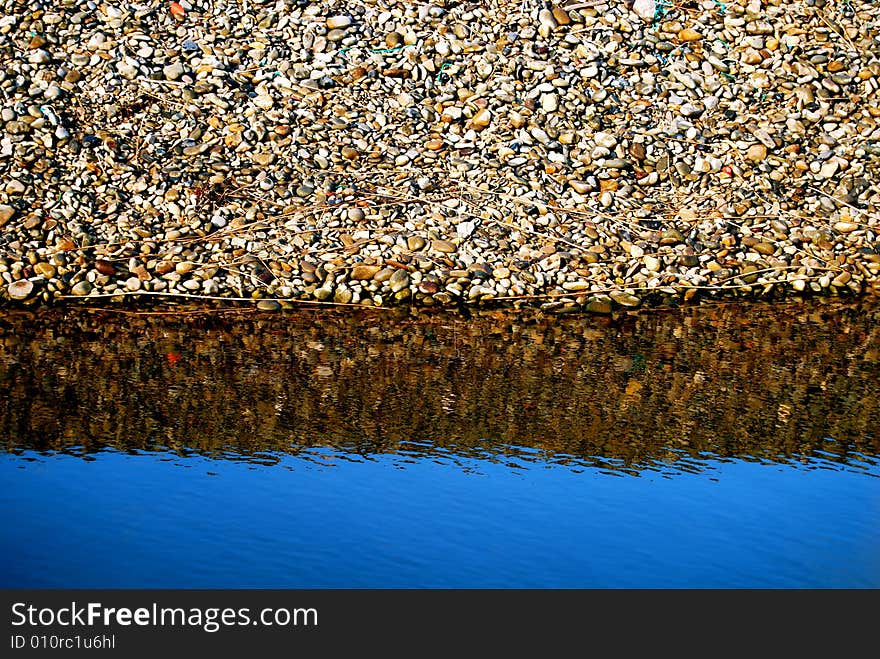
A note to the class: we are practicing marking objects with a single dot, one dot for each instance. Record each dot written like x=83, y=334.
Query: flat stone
x=365, y=272
x=443, y=246
x=335, y=22
x=20, y=290
x=625, y=299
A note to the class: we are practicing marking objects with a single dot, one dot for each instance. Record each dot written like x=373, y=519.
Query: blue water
x=325, y=518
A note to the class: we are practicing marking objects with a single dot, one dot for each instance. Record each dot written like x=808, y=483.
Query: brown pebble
x=45, y=270
x=756, y=153
x=105, y=267
x=689, y=34
x=443, y=246
x=561, y=16
x=364, y=272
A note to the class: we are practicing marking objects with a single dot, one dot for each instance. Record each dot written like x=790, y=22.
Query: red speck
x=727, y=170
x=173, y=358
x=177, y=10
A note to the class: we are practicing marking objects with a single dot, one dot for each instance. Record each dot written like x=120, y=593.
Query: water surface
x=718, y=446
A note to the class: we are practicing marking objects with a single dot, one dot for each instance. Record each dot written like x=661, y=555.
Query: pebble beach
x=594, y=156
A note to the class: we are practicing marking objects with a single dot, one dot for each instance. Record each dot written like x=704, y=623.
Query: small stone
x=646, y=9
x=268, y=305
x=264, y=159
x=561, y=16
x=757, y=153
x=264, y=102
x=20, y=290
x=349, y=153
x=616, y=163
x=173, y=71
x=625, y=299
x=549, y=102
x=323, y=294
x=599, y=304
x=105, y=267
x=126, y=70
x=828, y=169
x=547, y=20
x=691, y=110
x=398, y=281
x=604, y=139
x=6, y=214
x=672, y=237
x=415, y=243
x=335, y=22
x=343, y=295
x=82, y=288
x=45, y=270
x=845, y=227
x=365, y=272
x=133, y=284
x=689, y=34
x=15, y=187
x=482, y=118
x=443, y=246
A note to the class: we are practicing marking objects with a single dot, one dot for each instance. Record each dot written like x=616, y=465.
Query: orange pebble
x=177, y=11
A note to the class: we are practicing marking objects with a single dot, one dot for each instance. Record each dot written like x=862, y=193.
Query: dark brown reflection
x=763, y=382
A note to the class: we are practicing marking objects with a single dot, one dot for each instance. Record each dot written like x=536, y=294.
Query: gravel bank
x=583, y=155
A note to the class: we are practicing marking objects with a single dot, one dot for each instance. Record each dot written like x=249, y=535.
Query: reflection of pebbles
x=324, y=372
x=524, y=389
x=783, y=413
